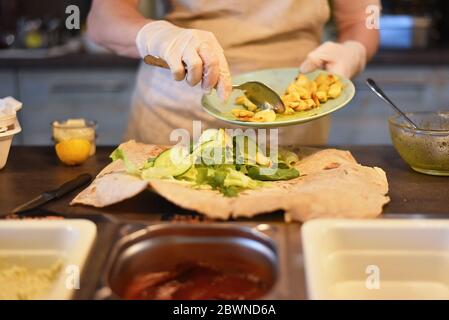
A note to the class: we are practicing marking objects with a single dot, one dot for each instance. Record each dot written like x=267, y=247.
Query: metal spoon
x=378, y=91
x=258, y=93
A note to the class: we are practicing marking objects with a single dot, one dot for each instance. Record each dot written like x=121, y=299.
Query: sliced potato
x=244, y=101
x=321, y=79
x=310, y=104
x=240, y=100
x=335, y=90
x=313, y=87
x=322, y=96
x=289, y=110
x=293, y=95
x=301, y=106
x=264, y=116
x=293, y=105
x=316, y=100
x=302, y=81
x=323, y=87
x=292, y=88
x=244, y=115
x=304, y=93
x=332, y=78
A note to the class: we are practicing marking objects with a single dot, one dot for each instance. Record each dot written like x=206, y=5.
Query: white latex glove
x=198, y=50
x=346, y=59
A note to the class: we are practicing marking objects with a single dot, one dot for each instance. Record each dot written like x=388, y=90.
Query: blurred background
x=59, y=74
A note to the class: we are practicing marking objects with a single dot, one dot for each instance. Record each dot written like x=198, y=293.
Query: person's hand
x=346, y=59
x=198, y=50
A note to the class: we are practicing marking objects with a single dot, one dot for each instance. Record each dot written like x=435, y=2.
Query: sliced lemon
x=73, y=151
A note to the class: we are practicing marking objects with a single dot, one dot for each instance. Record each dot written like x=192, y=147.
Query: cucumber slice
x=189, y=175
x=207, y=153
x=198, y=148
x=175, y=161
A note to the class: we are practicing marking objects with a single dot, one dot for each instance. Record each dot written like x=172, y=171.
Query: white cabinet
x=98, y=94
x=365, y=119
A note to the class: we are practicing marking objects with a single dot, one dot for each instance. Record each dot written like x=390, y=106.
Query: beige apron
x=255, y=34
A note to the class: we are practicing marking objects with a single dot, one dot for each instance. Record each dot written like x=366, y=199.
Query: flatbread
x=332, y=184
x=113, y=184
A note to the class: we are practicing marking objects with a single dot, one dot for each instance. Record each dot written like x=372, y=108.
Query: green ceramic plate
x=278, y=80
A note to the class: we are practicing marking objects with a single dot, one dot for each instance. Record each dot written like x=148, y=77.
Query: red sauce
x=195, y=281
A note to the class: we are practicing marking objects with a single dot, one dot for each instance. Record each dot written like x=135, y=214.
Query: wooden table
x=32, y=170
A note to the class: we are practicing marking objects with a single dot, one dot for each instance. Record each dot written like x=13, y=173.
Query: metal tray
x=271, y=251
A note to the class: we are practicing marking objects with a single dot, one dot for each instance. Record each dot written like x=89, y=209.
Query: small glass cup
x=63, y=130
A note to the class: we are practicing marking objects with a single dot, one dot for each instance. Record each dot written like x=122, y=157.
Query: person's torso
x=255, y=34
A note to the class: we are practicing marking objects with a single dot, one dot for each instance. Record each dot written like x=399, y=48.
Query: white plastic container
x=9, y=126
x=8, y=108
x=38, y=244
x=376, y=259
x=5, y=142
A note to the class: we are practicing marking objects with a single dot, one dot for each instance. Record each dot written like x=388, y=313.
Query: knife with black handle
x=47, y=196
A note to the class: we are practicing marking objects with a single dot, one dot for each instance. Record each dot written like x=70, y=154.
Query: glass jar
x=75, y=129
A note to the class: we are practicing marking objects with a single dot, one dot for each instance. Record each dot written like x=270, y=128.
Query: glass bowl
x=426, y=149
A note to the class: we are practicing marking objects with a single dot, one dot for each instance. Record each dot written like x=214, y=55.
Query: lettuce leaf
x=288, y=157
x=278, y=174
x=131, y=168
x=239, y=169
x=224, y=178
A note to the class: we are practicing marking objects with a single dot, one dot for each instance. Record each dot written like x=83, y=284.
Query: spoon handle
x=378, y=91
x=156, y=61
x=159, y=62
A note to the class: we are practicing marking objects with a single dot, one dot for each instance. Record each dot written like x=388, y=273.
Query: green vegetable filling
x=217, y=161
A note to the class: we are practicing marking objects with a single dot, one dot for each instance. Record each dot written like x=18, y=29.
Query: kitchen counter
x=32, y=170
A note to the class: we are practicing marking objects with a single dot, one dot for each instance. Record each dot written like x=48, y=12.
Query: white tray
x=41, y=243
x=376, y=259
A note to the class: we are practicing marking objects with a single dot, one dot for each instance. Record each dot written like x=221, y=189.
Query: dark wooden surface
x=32, y=170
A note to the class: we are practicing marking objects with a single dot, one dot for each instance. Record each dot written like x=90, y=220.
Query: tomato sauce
x=195, y=281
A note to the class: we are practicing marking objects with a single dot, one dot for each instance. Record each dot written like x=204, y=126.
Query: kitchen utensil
x=278, y=80
x=47, y=196
x=426, y=149
x=258, y=93
x=379, y=92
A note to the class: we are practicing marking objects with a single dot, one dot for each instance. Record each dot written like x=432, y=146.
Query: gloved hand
x=198, y=50
x=346, y=59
